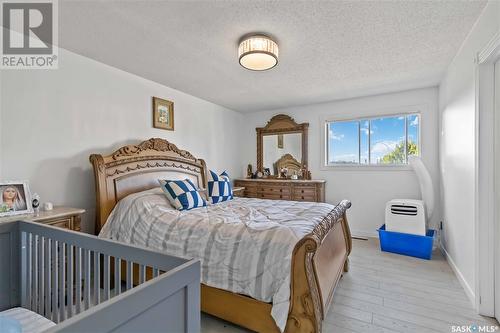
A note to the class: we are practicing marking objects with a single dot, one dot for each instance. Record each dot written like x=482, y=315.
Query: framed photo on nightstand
x=15, y=198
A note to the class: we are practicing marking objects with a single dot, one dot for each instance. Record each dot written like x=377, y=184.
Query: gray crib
x=86, y=284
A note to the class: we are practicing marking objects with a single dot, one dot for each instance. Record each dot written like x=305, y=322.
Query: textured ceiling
x=328, y=50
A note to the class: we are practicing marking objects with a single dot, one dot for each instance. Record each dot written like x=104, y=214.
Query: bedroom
x=423, y=66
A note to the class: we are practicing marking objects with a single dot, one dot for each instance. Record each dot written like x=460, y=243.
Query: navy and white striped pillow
x=182, y=194
x=219, y=187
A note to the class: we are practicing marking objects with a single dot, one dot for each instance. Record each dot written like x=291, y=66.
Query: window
x=373, y=141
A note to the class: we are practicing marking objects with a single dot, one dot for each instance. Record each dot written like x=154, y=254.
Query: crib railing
x=64, y=273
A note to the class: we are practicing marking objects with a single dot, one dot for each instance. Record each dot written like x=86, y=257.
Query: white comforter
x=245, y=245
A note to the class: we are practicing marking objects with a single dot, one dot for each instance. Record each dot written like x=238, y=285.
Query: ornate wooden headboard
x=136, y=168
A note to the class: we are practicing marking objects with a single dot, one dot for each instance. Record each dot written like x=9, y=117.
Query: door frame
x=487, y=150
x=496, y=229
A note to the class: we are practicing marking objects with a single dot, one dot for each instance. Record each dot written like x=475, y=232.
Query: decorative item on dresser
x=283, y=189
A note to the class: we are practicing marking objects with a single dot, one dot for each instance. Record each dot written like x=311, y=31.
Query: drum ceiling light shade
x=258, y=53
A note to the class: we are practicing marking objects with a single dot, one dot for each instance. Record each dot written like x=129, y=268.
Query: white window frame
x=357, y=166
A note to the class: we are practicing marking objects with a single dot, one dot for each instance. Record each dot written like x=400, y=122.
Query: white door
x=497, y=190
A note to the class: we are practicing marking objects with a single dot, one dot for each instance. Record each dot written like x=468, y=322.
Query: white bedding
x=245, y=245
x=31, y=322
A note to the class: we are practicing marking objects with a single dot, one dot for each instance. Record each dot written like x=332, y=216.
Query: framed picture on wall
x=15, y=198
x=163, y=114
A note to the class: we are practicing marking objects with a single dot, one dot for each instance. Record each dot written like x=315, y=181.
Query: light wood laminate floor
x=385, y=292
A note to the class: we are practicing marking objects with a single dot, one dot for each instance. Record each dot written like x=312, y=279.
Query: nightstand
x=62, y=217
x=239, y=191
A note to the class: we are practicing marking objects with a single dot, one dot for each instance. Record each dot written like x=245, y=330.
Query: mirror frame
x=282, y=124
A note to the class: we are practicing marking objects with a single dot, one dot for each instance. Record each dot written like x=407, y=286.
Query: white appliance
x=408, y=215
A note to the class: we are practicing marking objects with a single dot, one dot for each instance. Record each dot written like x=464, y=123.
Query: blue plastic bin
x=406, y=244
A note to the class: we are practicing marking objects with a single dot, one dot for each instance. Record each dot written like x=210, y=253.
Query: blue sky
x=386, y=133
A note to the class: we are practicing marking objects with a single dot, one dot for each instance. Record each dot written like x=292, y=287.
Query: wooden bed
x=319, y=259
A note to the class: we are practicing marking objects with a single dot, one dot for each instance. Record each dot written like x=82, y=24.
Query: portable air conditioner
x=411, y=216
x=406, y=216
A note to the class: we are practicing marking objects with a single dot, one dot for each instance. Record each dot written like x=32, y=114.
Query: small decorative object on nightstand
x=35, y=202
x=62, y=217
x=238, y=191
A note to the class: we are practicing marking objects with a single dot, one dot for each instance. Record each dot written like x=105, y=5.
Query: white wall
x=368, y=190
x=457, y=152
x=1, y=125
x=52, y=120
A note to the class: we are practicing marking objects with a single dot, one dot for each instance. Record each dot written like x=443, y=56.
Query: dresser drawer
x=304, y=197
x=77, y=225
x=304, y=190
x=64, y=223
x=276, y=196
x=243, y=183
x=251, y=192
x=304, y=193
x=275, y=190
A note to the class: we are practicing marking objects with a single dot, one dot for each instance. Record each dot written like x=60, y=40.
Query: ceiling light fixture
x=258, y=53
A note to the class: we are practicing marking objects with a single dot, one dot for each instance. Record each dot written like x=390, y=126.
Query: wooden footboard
x=318, y=262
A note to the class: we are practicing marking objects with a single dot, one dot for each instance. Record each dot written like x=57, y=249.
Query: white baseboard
x=364, y=234
x=468, y=290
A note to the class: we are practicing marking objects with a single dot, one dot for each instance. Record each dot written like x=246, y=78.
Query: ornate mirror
x=282, y=145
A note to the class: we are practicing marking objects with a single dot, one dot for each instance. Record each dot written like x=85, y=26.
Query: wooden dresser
x=283, y=189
